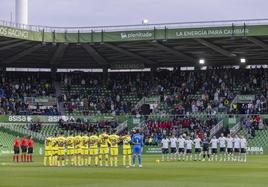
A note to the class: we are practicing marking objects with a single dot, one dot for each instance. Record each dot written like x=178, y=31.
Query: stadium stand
x=22, y=94
x=180, y=92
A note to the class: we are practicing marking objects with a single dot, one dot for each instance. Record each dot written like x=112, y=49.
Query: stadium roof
x=134, y=46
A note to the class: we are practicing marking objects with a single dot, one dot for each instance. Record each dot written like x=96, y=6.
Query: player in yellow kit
x=48, y=152
x=78, y=150
x=84, y=147
x=55, y=150
x=126, y=139
x=93, y=152
x=61, y=153
x=114, y=140
x=104, y=150
x=70, y=150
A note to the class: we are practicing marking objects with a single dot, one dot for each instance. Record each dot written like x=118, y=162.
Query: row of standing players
x=23, y=148
x=229, y=148
x=88, y=150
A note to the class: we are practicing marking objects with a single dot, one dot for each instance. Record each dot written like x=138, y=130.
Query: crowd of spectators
x=251, y=123
x=181, y=92
x=15, y=87
x=104, y=95
x=156, y=129
x=80, y=126
x=35, y=126
x=212, y=91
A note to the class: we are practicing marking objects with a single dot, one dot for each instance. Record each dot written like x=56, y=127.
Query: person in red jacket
x=30, y=150
x=16, y=146
x=23, y=147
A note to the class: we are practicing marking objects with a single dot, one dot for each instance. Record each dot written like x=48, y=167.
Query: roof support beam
x=14, y=45
x=22, y=54
x=6, y=42
x=175, y=52
x=215, y=47
x=258, y=42
x=131, y=54
x=94, y=54
x=58, y=54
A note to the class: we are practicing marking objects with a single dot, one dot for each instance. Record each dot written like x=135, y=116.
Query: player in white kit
x=181, y=144
x=214, y=148
x=236, y=148
x=197, y=145
x=222, y=144
x=230, y=144
x=189, y=144
x=243, y=151
x=173, y=147
x=165, y=142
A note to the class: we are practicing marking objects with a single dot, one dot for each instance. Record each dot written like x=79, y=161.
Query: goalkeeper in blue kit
x=137, y=142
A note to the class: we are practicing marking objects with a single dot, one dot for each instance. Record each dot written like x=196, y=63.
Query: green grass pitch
x=254, y=173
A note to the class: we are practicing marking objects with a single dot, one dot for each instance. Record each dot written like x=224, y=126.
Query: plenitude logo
x=15, y=33
x=136, y=35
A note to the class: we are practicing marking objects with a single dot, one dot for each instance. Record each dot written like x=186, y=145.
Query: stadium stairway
x=58, y=94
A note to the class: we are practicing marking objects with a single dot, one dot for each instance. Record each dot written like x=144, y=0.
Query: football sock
x=89, y=160
x=63, y=162
x=124, y=160
x=139, y=158
x=75, y=161
x=106, y=160
x=111, y=161
x=129, y=160
x=96, y=160
x=100, y=160
x=134, y=159
x=50, y=161
x=115, y=161
x=45, y=161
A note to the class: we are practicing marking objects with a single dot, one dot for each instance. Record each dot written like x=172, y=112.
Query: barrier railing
x=216, y=128
x=135, y=26
x=235, y=129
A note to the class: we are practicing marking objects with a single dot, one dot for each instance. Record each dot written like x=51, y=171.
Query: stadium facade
x=149, y=45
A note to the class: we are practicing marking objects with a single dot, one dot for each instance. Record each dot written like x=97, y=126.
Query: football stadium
x=166, y=104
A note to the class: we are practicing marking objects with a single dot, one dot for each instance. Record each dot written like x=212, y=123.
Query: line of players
x=23, y=148
x=230, y=148
x=89, y=150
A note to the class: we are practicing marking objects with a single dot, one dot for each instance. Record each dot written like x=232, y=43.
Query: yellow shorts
x=93, y=151
x=70, y=151
x=55, y=152
x=127, y=151
x=78, y=151
x=114, y=151
x=104, y=150
x=61, y=152
x=48, y=152
x=85, y=151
